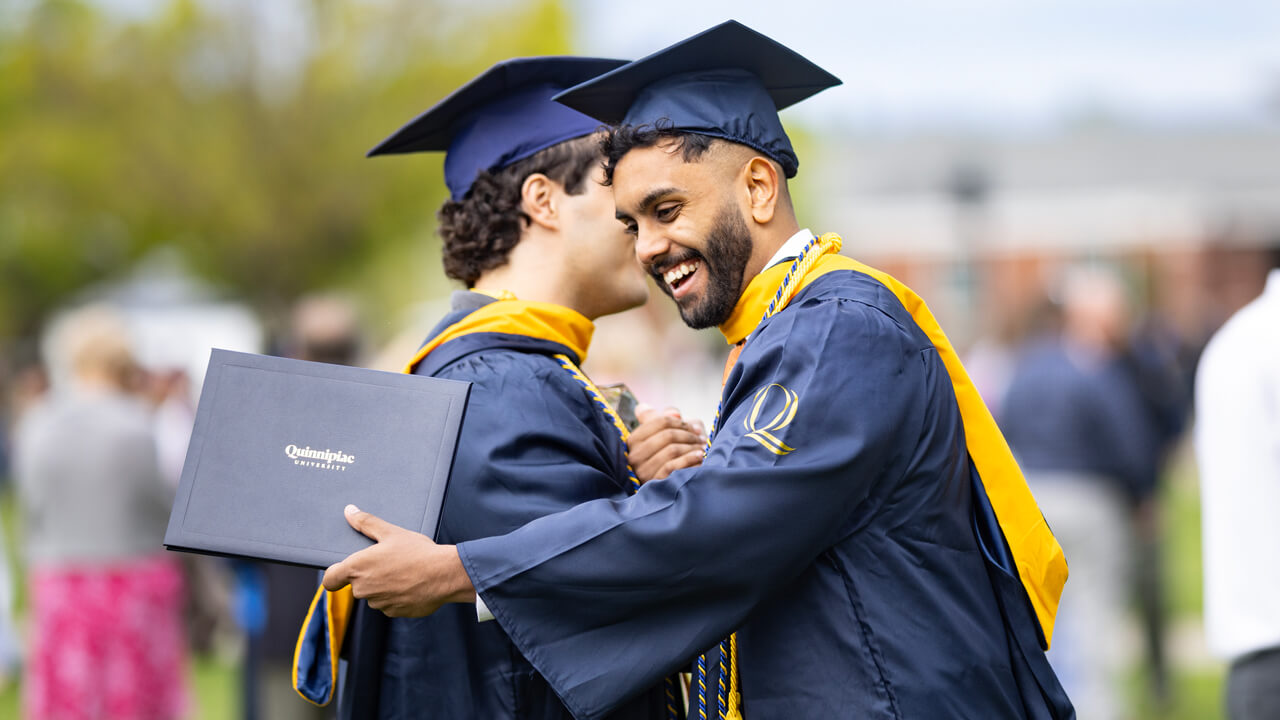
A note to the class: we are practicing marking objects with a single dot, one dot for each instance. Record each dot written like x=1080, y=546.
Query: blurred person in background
x=106, y=636
x=1076, y=419
x=1237, y=442
x=530, y=231
x=30, y=385
x=1159, y=360
x=169, y=392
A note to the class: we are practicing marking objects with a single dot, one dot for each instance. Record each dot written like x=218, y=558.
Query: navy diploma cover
x=280, y=446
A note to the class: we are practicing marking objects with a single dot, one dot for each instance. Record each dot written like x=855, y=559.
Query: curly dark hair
x=624, y=138
x=480, y=230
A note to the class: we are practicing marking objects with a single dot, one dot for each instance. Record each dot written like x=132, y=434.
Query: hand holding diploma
x=405, y=574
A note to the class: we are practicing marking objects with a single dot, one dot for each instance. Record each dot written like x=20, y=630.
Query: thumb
x=337, y=576
x=371, y=526
x=645, y=412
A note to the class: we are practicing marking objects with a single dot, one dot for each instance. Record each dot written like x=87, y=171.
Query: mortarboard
x=728, y=82
x=503, y=115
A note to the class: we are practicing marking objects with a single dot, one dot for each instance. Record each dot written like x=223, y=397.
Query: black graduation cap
x=728, y=82
x=503, y=115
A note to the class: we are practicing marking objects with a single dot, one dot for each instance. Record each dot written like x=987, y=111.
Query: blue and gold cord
x=729, y=696
x=722, y=694
x=669, y=686
x=603, y=404
x=702, y=687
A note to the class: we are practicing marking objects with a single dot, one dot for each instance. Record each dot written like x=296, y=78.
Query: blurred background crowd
x=1083, y=192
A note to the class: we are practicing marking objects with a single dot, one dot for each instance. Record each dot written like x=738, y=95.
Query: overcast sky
x=994, y=63
x=985, y=64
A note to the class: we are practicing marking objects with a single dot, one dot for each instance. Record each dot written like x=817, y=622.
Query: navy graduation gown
x=532, y=443
x=837, y=525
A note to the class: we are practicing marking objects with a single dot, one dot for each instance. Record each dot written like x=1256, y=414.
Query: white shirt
x=790, y=249
x=1237, y=440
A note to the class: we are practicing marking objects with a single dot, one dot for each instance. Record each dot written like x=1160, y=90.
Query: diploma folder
x=280, y=447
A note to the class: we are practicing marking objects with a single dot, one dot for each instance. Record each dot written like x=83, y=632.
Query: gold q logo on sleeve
x=779, y=405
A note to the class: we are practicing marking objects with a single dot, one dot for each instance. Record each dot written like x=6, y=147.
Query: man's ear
x=538, y=200
x=763, y=189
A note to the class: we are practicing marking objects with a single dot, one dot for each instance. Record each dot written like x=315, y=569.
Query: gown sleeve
x=826, y=404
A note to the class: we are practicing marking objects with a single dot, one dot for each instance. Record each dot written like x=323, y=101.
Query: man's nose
x=651, y=246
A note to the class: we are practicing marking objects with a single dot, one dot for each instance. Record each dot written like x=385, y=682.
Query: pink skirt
x=106, y=642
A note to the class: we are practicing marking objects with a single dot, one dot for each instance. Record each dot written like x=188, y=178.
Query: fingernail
x=351, y=510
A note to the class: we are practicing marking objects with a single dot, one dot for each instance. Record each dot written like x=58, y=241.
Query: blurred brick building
x=980, y=226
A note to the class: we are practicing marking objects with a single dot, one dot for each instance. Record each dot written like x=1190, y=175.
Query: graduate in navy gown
x=530, y=231
x=858, y=542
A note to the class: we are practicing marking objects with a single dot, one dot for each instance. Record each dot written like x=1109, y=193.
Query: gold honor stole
x=1042, y=567
x=315, y=656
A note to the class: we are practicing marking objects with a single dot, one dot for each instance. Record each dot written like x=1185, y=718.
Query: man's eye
x=667, y=213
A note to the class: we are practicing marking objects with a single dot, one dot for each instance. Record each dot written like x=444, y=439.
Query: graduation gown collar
x=523, y=318
x=751, y=304
x=754, y=300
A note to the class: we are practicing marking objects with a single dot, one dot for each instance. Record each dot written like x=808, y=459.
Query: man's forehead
x=643, y=171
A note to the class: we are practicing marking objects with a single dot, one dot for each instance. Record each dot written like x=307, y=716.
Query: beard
x=728, y=250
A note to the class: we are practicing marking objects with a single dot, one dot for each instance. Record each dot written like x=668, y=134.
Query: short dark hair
x=479, y=231
x=624, y=138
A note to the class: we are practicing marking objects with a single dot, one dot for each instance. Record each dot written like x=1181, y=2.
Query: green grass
x=1197, y=695
x=9, y=524
x=9, y=700
x=1184, y=564
x=215, y=689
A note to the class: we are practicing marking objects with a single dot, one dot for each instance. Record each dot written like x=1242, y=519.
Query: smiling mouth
x=678, y=276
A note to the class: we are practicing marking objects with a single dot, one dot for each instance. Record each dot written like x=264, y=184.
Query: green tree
x=236, y=135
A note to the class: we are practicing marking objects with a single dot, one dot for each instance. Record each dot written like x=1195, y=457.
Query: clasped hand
x=664, y=442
